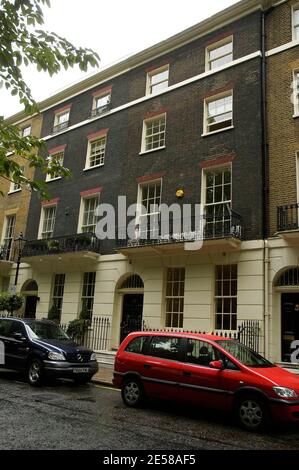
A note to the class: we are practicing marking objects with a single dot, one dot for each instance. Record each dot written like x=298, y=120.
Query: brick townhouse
x=183, y=122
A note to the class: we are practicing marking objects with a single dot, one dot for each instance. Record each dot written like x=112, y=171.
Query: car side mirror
x=216, y=365
x=19, y=337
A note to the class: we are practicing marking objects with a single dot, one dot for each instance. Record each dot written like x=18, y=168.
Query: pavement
x=104, y=375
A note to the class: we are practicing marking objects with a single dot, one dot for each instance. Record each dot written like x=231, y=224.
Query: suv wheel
x=251, y=413
x=132, y=392
x=34, y=372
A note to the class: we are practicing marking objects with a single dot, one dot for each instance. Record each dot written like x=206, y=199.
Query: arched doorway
x=30, y=292
x=131, y=289
x=287, y=283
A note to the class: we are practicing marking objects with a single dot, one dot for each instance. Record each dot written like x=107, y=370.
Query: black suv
x=41, y=348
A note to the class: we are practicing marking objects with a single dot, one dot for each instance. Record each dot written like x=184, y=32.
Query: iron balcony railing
x=287, y=217
x=65, y=244
x=60, y=127
x=158, y=233
x=100, y=110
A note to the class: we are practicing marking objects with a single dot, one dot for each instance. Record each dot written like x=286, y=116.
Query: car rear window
x=137, y=344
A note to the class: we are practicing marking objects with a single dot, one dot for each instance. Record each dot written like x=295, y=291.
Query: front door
x=132, y=314
x=289, y=324
x=30, y=307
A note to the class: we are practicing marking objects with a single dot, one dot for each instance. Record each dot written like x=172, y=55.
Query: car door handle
x=187, y=374
x=147, y=366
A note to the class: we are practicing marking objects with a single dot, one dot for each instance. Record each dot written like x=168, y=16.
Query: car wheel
x=132, y=392
x=34, y=372
x=82, y=380
x=252, y=413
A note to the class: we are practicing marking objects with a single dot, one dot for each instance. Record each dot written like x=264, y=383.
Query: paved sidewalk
x=104, y=376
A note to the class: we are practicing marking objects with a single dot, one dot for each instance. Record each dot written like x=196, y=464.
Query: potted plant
x=53, y=245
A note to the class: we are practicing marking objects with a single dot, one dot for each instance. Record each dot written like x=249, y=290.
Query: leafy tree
x=23, y=43
x=9, y=302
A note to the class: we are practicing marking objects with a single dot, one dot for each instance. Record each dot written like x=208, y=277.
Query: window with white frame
x=154, y=131
x=218, y=113
x=88, y=214
x=16, y=186
x=296, y=92
x=101, y=104
x=157, y=80
x=96, y=152
x=149, y=216
x=56, y=158
x=61, y=120
x=217, y=202
x=226, y=290
x=174, y=299
x=26, y=131
x=296, y=22
x=219, y=54
x=58, y=291
x=48, y=221
x=88, y=288
x=8, y=237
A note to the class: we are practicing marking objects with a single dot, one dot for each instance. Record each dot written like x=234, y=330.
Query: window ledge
x=53, y=179
x=296, y=116
x=92, y=167
x=206, y=134
x=15, y=191
x=152, y=150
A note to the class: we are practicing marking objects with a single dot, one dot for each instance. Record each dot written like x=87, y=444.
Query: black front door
x=30, y=307
x=289, y=324
x=132, y=314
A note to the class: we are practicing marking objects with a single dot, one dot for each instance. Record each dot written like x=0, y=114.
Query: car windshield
x=42, y=330
x=243, y=354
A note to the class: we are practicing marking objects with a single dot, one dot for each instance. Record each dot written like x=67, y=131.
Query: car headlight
x=285, y=392
x=54, y=356
x=93, y=357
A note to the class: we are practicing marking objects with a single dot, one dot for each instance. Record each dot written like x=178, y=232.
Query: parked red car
x=208, y=371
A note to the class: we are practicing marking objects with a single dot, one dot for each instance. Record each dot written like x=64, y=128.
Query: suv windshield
x=243, y=354
x=43, y=330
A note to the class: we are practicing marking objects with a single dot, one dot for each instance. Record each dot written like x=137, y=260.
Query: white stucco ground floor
x=216, y=288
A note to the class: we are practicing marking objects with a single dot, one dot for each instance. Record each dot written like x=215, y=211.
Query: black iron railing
x=287, y=217
x=100, y=110
x=183, y=230
x=65, y=244
x=94, y=334
x=60, y=127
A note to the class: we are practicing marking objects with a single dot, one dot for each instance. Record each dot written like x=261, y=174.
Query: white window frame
x=224, y=298
x=85, y=299
x=54, y=155
x=296, y=92
x=211, y=99
x=81, y=211
x=294, y=25
x=15, y=187
x=24, y=129
x=88, y=154
x=58, y=116
x=94, y=103
x=150, y=76
x=139, y=214
x=144, y=129
x=180, y=298
x=42, y=219
x=5, y=225
x=204, y=186
x=217, y=45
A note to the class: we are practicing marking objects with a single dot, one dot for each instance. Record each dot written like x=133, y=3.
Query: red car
x=208, y=371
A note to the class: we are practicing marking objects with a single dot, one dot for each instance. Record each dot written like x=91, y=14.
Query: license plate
x=80, y=370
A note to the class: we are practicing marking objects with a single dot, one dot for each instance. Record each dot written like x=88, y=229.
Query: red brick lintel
x=154, y=176
x=102, y=91
x=100, y=133
x=157, y=66
x=218, y=91
x=218, y=37
x=155, y=113
x=51, y=202
x=64, y=108
x=222, y=160
x=90, y=192
x=58, y=149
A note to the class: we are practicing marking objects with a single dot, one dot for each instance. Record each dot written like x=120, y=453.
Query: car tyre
x=252, y=413
x=132, y=392
x=35, y=372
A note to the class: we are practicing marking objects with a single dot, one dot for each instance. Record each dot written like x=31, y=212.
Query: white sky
x=114, y=29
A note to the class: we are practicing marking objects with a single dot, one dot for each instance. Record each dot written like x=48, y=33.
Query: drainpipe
x=266, y=298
